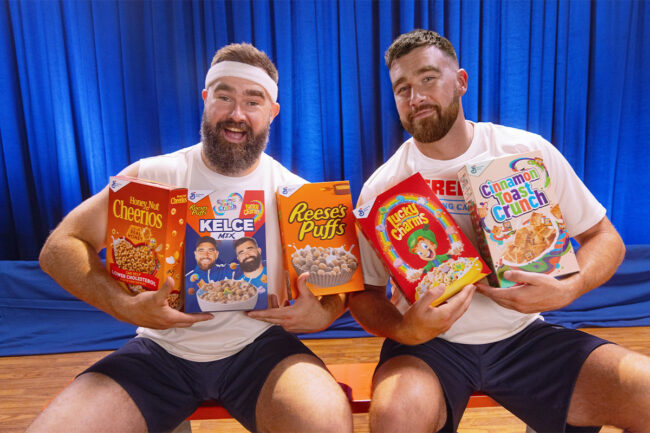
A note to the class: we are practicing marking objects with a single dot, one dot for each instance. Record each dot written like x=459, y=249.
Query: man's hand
x=421, y=322
x=532, y=292
x=151, y=309
x=307, y=314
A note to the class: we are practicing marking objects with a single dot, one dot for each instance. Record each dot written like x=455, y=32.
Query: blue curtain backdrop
x=87, y=87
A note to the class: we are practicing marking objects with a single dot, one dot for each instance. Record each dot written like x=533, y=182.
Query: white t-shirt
x=229, y=331
x=485, y=321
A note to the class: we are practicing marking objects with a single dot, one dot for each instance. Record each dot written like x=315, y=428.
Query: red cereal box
x=318, y=236
x=145, y=234
x=516, y=217
x=419, y=241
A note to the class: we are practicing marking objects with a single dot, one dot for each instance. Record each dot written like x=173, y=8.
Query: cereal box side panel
x=173, y=256
x=136, y=230
x=219, y=226
x=319, y=237
x=477, y=216
x=286, y=255
x=523, y=225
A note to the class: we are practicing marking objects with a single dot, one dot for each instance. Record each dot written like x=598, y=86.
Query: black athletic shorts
x=532, y=373
x=168, y=389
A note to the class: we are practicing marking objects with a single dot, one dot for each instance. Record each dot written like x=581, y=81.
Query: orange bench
x=356, y=379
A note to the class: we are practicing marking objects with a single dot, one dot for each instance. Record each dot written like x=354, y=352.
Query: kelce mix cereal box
x=319, y=237
x=516, y=216
x=144, y=240
x=419, y=241
x=225, y=256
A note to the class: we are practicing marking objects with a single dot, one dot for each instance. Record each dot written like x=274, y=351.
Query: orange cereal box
x=319, y=237
x=516, y=217
x=418, y=241
x=144, y=240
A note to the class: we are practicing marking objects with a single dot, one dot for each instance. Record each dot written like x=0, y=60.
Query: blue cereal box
x=225, y=252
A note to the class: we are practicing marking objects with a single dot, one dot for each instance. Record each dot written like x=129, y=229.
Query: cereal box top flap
x=515, y=161
x=120, y=181
x=339, y=187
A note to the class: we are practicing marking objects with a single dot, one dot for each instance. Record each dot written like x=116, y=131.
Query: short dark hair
x=243, y=240
x=246, y=53
x=407, y=42
x=208, y=239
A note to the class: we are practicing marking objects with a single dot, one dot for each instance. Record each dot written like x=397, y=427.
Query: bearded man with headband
x=262, y=374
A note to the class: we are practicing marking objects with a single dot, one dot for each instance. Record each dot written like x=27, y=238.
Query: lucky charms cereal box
x=319, y=237
x=516, y=217
x=145, y=235
x=419, y=241
x=225, y=256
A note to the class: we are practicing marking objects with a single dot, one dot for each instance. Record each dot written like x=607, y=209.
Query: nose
x=416, y=97
x=237, y=114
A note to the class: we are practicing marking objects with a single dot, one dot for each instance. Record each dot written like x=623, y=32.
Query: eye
x=424, y=245
x=401, y=90
x=428, y=79
x=223, y=98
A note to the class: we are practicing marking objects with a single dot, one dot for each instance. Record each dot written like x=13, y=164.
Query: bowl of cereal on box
x=135, y=258
x=536, y=246
x=327, y=267
x=226, y=295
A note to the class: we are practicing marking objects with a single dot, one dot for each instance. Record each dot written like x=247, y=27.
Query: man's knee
x=301, y=395
x=612, y=389
x=91, y=401
x=407, y=396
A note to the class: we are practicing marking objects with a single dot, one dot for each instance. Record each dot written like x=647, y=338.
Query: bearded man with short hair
x=262, y=374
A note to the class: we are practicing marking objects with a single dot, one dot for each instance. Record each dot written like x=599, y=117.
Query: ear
x=275, y=109
x=462, y=78
x=204, y=94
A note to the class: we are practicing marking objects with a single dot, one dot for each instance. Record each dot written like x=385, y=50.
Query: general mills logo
x=473, y=169
x=114, y=184
x=361, y=212
x=285, y=190
x=192, y=195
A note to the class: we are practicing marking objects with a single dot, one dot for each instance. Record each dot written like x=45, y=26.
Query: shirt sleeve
x=580, y=209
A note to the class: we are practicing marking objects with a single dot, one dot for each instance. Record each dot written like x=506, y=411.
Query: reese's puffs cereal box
x=146, y=230
x=225, y=253
x=516, y=217
x=319, y=237
x=418, y=240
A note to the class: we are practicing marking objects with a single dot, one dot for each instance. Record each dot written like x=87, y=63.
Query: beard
x=231, y=158
x=436, y=126
x=251, y=264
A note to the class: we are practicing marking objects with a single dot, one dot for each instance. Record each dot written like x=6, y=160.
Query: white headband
x=243, y=70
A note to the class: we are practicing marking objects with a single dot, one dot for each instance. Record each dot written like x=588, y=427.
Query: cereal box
x=225, y=256
x=145, y=235
x=516, y=217
x=319, y=237
x=419, y=241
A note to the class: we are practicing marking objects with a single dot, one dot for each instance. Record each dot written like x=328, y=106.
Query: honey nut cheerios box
x=319, y=237
x=225, y=256
x=419, y=242
x=145, y=235
x=516, y=217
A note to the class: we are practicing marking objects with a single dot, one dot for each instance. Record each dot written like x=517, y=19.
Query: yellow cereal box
x=146, y=230
x=319, y=237
x=516, y=217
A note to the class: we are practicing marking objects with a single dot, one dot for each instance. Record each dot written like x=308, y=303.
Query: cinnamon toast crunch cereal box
x=319, y=237
x=516, y=217
x=146, y=231
x=418, y=240
x=225, y=253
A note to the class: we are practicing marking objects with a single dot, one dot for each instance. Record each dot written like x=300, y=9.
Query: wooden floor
x=27, y=383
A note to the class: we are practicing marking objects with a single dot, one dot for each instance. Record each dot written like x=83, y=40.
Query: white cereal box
x=516, y=217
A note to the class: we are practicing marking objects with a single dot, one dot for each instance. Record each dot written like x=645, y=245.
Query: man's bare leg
x=613, y=388
x=407, y=397
x=92, y=403
x=300, y=395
